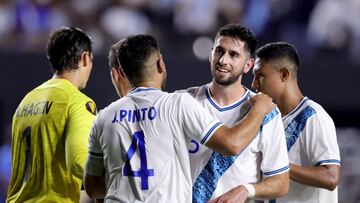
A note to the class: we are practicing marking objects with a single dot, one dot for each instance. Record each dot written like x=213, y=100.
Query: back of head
x=133, y=55
x=280, y=51
x=113, y=61
x=239, y=32
x=65, y=46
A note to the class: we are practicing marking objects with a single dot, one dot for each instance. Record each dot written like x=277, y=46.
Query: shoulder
x=272, y=116
x=319, y=112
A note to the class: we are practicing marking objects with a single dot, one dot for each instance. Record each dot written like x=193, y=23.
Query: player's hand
x=238, y=195
x=262, y=103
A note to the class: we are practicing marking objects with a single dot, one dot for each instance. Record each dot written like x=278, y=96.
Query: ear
x=160, y=65
x=249, y=64
x=85, y=58
x=115, y=72
x=210, y=55
x=118, y=73
x=284, y=74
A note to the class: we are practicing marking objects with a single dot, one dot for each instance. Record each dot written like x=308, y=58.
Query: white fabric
x=265, y=156
x=165, y=120
x=311, y=140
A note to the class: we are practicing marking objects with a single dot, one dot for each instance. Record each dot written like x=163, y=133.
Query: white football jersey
x=311, y=141
x=213, y=174
x=141, y=142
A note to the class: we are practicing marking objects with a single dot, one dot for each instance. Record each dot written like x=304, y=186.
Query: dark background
x=325, y=32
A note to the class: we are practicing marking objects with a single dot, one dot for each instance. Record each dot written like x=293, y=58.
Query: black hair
x=65, y=46
x=112, y=57
x=239, y=32
x=279, y=50
x=133, y=54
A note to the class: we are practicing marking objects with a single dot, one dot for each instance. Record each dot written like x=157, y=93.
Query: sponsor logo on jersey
x=91, y=107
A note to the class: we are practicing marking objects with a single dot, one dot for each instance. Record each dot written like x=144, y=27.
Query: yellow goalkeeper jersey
x=50, y=131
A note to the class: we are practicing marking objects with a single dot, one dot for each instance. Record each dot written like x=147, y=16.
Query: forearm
x=95, y=186
x=326, y=176
x=272, y=187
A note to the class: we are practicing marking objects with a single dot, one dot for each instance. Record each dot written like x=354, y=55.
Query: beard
x=226, y=81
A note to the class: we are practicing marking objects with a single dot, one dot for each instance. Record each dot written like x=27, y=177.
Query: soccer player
x=138, y=146
x=260, y=171
x=310, y=132
x=51, y=125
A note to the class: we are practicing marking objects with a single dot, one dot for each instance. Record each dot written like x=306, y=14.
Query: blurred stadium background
x=326, y=33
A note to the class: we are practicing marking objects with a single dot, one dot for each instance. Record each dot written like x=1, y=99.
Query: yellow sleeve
x=81, y=116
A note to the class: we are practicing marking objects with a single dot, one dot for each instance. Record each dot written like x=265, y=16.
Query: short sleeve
x=197, y=122
x=273, y=145
x=95, y=165
x=321, y=142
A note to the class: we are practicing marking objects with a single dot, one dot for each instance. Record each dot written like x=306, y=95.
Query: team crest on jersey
x=91, y=107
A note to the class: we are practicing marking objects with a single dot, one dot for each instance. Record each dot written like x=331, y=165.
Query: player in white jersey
x=140, y=142
x=260, y=171
x=310, y=132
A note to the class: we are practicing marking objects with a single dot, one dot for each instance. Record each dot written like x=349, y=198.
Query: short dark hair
x=112, y=57
x=279, y=50
x=239, y=32
x=133, y=54
x=65, y=46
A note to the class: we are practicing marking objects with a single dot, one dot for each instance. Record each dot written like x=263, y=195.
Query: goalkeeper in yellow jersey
x=51, y=125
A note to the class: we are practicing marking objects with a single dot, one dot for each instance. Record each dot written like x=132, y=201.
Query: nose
x=224, y=59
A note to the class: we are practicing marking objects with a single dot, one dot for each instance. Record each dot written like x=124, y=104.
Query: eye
x=234, y=55
x=218, y=51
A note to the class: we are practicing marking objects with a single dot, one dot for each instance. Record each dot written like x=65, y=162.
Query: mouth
x=222, y=70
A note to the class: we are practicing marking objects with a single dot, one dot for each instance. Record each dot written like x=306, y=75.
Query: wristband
x=251, y=190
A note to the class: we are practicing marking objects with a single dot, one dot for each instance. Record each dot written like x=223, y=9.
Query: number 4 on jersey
x=144, y=172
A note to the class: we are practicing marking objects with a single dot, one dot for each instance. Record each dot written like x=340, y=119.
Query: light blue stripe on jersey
x=205, y=184
x=334, y=161
x=297, y=125
x=207, y=92
x=142, y=89
x=268, y=117
x=276, y=171
x=210, y=131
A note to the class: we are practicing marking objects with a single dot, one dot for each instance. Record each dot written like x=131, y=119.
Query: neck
x=290, y=99
x=151, y=83
x=226, y=95
x=71, y=76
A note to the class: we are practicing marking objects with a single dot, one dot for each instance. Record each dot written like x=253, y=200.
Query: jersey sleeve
x=198, y=123
x=321, y=142
x=273, y=145
x=80, y=118
x=95, y=165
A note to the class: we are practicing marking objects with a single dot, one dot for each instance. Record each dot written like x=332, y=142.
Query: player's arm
x=95, y=186
x=274, y=186
x=321, y=147
x=77, y=133
x=94, y=177
x=231, y=141
x=270, y=187
x=325, y=176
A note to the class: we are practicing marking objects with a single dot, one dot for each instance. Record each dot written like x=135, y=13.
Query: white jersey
x=141, y=143
x=311, y=141
x=266, y=156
